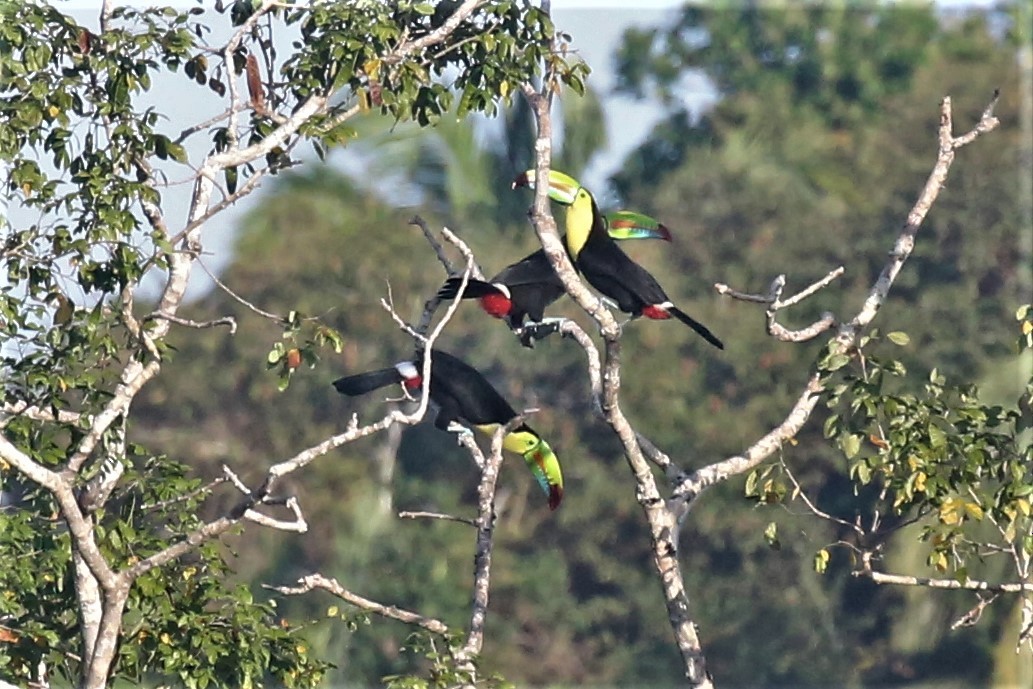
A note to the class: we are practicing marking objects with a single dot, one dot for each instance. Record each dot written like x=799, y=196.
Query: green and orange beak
x=546, y=469
x=625, y=224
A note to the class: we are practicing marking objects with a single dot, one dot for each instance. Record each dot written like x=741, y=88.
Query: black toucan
x=603, y=263
x=463, y=394
x=525, y=288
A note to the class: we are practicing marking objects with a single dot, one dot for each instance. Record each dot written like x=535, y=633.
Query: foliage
x=944, y=453
x=186, y=621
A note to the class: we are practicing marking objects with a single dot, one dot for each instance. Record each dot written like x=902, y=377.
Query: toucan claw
x=460, y=430
x=533, y=331
x=527, y=335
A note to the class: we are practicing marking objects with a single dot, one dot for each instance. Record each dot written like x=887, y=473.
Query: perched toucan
x=463, y=394
x=525, y=288
x=603, y=263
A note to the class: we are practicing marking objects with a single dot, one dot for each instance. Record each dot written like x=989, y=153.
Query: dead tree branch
x=318, y=581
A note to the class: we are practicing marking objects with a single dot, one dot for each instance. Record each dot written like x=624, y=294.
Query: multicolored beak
x=631, y=225
x=546, y=469
x=562, y=187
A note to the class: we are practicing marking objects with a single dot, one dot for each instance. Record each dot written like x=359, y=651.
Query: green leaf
x=899, y=337
x=177, y=152
x=836, y=362
x=937, y=438
x=851, y=445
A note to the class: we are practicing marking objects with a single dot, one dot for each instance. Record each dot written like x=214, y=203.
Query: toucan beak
x=546, y=469
x=631, y=225
x=562, y=187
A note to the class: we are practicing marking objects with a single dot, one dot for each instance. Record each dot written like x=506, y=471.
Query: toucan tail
x=361, y=383
x=475, y=289
x=695, y=325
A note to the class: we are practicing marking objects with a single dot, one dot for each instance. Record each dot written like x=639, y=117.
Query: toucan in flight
x=525, y=288
x=603, y=263
x=463, y=394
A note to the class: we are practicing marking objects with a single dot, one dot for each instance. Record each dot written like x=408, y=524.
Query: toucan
x=525, y=288
x=463, y=394
x=603, y=263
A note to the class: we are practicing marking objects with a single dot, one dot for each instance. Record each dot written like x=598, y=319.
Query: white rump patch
x=407, y=370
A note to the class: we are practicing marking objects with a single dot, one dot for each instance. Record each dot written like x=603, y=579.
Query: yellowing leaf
x=952, y=511
x=165, y=638
x=371, y=67
x=504, y=89
x=53, y=111
x=332, y=611
x=821, y=561
x=1023, y=505
x=188, y=573
x=974, y=510
x=920, y=482
x=1027, y=327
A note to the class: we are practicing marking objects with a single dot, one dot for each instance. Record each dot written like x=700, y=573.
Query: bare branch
x=775, y=304
x=318, y=581
x=472, y=270
x=972, y=617
x=856, y=528
x=22, y=408
x=233, y=295
x=201, y=126
x=953, y=584
x=808, y=291
x=434, y=243
x=905, y=243
x=485, y=541
x=297, y=525
x=780, y=332
x=229, y=321
x=436, y=515
x=703, y=478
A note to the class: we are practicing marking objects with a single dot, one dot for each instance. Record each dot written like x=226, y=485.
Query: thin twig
x=814, y=508
x=236, y=297
x=436, y=515
x=229, y=321
x=318, y=581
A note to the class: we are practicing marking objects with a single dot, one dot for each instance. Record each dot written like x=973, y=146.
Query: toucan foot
x=527, y=335
x=533, y=331
x=460, y=430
